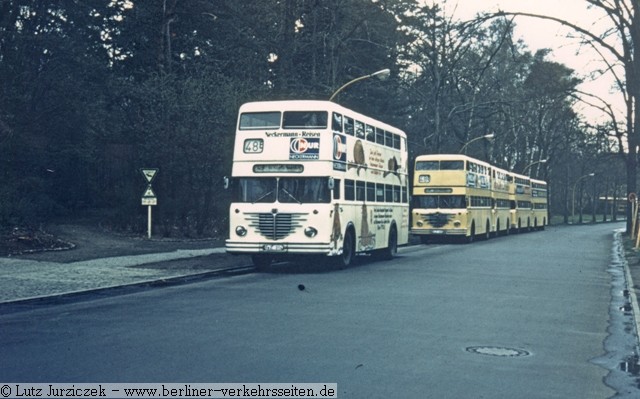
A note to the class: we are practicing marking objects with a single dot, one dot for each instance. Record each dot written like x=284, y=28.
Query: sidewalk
x=103, y=260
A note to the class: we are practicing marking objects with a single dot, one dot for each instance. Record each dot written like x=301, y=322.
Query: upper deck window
x=440, y=165
x=452, y=165
x=305, y=119
x=259, y=120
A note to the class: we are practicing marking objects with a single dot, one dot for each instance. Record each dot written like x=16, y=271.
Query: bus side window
x=379, y=192
x=380, y=136
x=359, y=130
x=348, y=126
x=336, y=122
x=388, y=139
x=388, y=193
x=396, y=193
x=371, y=192
x=349, y=190
x=396, y=141
x=371, y=134
x=336, y=189
x=360, y=191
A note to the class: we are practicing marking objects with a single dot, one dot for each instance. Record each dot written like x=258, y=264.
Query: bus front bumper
x=439, y=232
x=278, y=248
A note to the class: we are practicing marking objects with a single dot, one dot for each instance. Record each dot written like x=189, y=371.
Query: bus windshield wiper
x=268, y=193
x=284, y=190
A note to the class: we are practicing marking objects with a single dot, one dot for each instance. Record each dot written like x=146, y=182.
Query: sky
x=537, y=34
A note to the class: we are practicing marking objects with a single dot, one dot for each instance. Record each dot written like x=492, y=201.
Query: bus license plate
x=274, y=247
x=437, y=231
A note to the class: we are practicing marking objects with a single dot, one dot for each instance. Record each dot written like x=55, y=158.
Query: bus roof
x=450, y=157
x=315, y=105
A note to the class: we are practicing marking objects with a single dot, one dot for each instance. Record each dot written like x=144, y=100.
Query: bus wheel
x=392, y=247
x=261, y=261
x=508, y=230
x=472, y=234
x=348, y=251
x=487, y=232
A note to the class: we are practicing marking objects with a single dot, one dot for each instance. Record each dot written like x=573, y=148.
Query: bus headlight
x=419, y=223
x=241, y=231
x=457, y=223
x=310, y=232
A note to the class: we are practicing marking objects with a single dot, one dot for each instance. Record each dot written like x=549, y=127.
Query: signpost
x=149, y=197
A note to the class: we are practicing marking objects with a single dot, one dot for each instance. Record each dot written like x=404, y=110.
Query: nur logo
x=301, y=148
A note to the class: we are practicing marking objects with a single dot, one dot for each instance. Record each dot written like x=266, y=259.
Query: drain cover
x=497, y=351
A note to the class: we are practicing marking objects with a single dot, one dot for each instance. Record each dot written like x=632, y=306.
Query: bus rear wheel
x=392, y=247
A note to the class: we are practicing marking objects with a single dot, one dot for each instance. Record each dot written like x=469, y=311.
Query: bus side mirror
x=331, y=183
x=225, y=182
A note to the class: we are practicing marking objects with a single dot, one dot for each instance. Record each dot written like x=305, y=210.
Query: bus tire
x=345, y=259
x=472, y=234
x=508, y=229
x=487, y=233
x=392, y=246
x=261, y=261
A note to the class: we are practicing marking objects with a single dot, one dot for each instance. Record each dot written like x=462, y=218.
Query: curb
x=124, y=288
x=633, y=298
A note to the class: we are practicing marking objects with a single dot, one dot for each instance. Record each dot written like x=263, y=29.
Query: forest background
x=91, y=92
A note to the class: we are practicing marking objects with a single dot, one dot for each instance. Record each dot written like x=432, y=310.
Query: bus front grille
x=275, y=226
x=438, y=219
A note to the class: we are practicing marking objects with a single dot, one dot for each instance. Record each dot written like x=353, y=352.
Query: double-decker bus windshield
x=439, y=201
x=301, y=190
x=440, y=165
x=290, y=120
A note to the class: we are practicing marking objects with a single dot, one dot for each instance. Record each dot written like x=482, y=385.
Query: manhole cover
x=497, y=351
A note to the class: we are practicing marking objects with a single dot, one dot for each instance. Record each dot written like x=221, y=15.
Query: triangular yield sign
x=149, y=192
x=149, y=174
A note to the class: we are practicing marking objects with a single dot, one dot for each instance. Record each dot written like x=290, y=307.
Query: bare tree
x=624, y=16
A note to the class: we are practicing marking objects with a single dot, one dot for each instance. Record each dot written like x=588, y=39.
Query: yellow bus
x=521, y=206
x=451, y=197
x=313, y=177
x=501, y=212
x=539, y=204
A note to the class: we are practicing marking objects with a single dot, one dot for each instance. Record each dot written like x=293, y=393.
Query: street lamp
x=533, y=163
x=382, y=75
x=573, y=198
x=486, y=136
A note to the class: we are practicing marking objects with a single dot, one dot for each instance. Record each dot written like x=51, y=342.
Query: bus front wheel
x=348, y=250
x=472, y=234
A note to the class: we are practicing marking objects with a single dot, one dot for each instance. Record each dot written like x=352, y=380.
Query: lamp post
x=382, y=75
x=573, y=198
x=486, y=136
x=533, y=163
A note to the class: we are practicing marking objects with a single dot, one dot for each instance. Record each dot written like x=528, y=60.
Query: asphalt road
x=527, y=316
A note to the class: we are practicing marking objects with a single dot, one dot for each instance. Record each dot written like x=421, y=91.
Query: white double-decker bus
x=313, y=177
